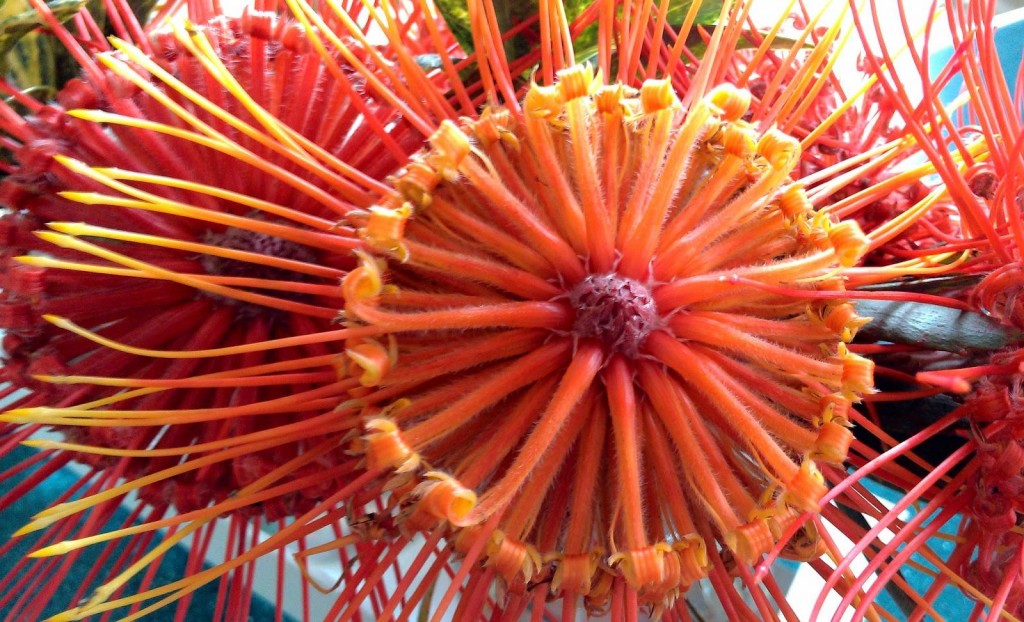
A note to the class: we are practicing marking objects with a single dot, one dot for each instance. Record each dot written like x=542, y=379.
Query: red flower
x=173, y=245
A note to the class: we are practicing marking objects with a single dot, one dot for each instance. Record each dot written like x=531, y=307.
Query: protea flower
x=594, y=323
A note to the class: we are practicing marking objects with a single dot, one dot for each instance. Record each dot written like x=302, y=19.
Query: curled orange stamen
x=642, y=567
x=385, y=448
x=805, y=490
x=833, y=443
x=732, y=101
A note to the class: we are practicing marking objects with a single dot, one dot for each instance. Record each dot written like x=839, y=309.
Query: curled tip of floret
x=750, y=541
x=576, y=82
x=384, y=446
x=858, y=373
x=657, y=95
x=440, y=498
x=733, y=102
x=779, y=149
x=849, y=242
x=385, y=229
x=364, y=283
x=641, y=567
x=806, y=489
x=513, y=560
x=370, y=360
x=833, y=443
x=543, y=102
x=574, y=574
x=450, y=146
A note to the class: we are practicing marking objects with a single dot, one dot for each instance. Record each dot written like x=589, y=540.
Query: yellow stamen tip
x=68, y=161
x=17, y=415
x=57, y=239
x=95, y=116
x=70, y=228
x=30, y=260
x=54, y=549
x=88, y=198
x=35, y=525
x=56, y=320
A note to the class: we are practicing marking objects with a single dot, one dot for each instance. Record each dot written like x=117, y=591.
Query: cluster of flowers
x=569, y=334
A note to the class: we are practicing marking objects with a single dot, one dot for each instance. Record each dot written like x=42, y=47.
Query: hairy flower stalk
x=594, y=338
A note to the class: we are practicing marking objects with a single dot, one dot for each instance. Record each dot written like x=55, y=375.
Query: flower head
x=651, y=310
x=173, y=247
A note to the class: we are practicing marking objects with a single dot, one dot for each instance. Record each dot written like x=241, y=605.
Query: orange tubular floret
x=385, y=229
x=372, y=359
x=750, y=541
x=835, y=407
x=444, y=498
x=511, y=559
x=833, y=443
x=692, y=556
x=781, y=151
x=685, y=564
x=794, y=203
x=849, y=242
x=609, y=99
x=843, y=319
x=450, y=148
x=576, y=82
x=385, y=448
x=733, y=102
x=642, y=567
x=739, y=140
x=574, y=574
x=416, y=182
x=657, y=95
x=805, y=490
x=858, y=373
x=495, y=125
x=543, y=102
x=363, y=284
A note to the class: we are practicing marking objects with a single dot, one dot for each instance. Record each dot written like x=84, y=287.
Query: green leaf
x=27, y=58
x=511, y=12
x=456, y=15
x=707, y=14
x=18, y=18
x=933, y=327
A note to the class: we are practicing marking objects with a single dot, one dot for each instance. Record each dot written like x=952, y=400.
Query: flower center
x=617, y=311
x=257, y=243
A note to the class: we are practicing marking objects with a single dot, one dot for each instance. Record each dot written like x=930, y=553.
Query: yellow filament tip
x=54, y=549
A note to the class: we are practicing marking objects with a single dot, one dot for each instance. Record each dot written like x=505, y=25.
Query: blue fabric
x=203, y=601
x=1009, y=39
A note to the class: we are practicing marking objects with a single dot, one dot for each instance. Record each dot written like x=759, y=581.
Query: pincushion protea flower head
x=652, y=319
x=171, y=259
x=569, y=307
